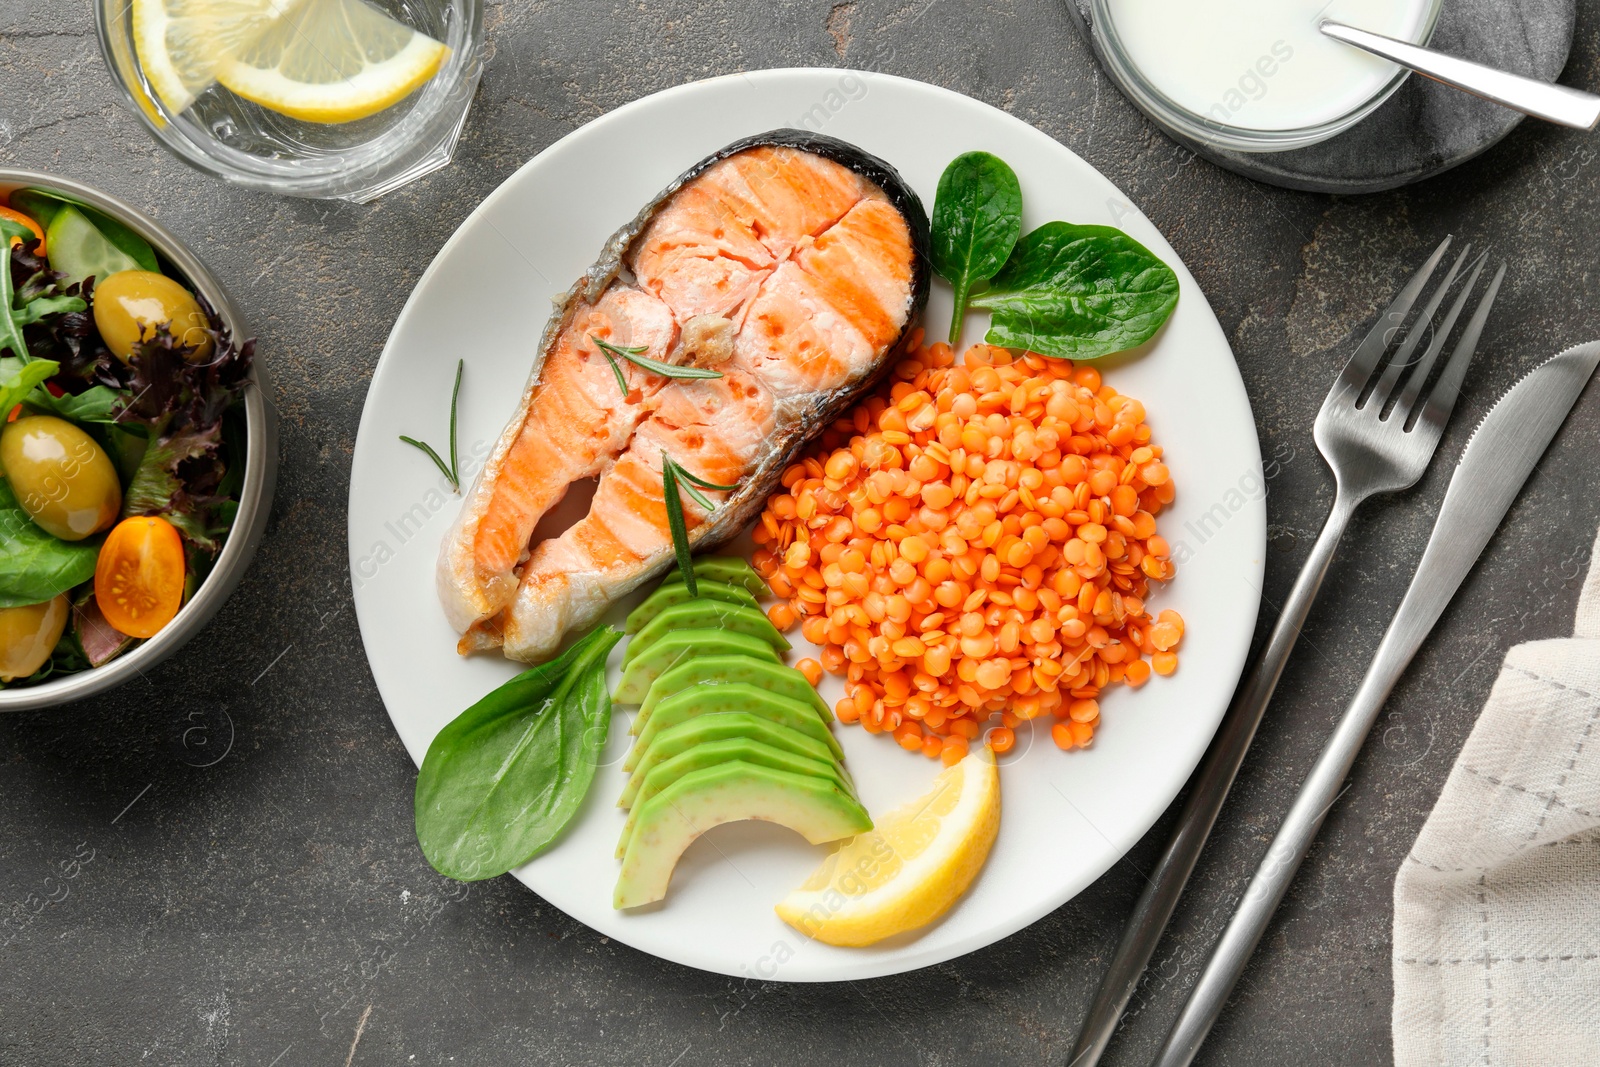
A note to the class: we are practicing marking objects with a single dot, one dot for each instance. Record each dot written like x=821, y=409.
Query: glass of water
x=334, y=99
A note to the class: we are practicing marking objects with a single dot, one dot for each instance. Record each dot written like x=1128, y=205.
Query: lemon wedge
x=331, y=61
x=179, y=42
x=909, y=869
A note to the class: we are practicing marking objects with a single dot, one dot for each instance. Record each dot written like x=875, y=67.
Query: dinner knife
x=1497, y=461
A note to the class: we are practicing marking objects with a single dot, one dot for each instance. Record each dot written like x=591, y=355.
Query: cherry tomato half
x=138, y=578
x=17, y=216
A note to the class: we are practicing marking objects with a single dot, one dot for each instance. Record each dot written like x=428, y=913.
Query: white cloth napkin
x=1497, y=908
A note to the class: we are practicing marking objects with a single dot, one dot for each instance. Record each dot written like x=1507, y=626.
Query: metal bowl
x=260, y=473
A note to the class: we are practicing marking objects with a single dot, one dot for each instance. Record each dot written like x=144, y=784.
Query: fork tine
x=1386, y=386
x=1419, y=380
x=1442, y=400
x=1372, y=347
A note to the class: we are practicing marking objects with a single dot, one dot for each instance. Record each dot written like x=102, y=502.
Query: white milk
x=1261, y=64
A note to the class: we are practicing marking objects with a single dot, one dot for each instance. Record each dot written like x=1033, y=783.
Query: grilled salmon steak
x=792, y=264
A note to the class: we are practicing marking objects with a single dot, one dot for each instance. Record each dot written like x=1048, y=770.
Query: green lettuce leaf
x=35, y=566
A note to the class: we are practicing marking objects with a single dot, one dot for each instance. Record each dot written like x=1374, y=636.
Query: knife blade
x=1494, y=466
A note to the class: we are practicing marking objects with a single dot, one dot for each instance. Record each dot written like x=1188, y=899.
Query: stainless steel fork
x=1377, y=430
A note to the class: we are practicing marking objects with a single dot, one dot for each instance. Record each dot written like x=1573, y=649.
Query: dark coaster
x=1425, y=128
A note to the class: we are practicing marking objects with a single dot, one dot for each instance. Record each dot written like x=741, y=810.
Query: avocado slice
x=732, y=570
x=715, y=753
x=729, y=792
x=716, y=670
x=705, y=615
x=664, y=654
x=720, y=726
x=738, y=696
x=667, y=595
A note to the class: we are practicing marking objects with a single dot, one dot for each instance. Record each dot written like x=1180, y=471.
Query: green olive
x=28, y=636
x=61, y=477
x=130, y=305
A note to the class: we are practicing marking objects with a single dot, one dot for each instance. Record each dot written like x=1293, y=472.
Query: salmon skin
x=795, y=265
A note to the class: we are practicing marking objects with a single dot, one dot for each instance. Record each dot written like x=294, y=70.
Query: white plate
x=1067, y=816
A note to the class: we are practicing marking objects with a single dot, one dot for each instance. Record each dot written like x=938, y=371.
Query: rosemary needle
x=452, y=470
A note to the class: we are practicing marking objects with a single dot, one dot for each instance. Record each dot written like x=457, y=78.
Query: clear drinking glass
x=226, y=135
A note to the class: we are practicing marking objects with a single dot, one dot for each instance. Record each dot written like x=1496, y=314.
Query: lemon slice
x=179, y=42
x=331, y=61
x=909, y=869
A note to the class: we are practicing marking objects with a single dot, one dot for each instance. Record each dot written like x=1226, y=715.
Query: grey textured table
x=271, y=909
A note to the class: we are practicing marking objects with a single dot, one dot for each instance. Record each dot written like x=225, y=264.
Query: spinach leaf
x=977, y=216
x=19, y=379
x=504, y=778
x=1078, y=292
x=33, y=565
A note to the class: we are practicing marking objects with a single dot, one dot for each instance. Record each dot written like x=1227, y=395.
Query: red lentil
x=977, y=539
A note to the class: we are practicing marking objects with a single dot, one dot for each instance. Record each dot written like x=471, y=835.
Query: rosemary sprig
x=674, y=479
x=451, y=472
x=635, y=354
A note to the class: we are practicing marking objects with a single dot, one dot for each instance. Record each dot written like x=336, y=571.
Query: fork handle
x=1210, y=786
x=1321, y=789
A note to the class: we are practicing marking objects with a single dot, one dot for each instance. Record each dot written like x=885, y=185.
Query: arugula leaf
x=977, y=217
x=19, y=379
x=99, y=403
x=10, y=332
x=1078, y=292
x=34, y=566
x=503, y=779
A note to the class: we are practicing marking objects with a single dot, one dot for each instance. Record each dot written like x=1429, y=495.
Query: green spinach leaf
x=977, y=216
x=33, y=565
x=1078, y=292
x=502, y=780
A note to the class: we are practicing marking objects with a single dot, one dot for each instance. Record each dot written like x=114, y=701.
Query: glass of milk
x=1254, y=75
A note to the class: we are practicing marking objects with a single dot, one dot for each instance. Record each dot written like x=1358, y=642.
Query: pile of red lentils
x=977, y=542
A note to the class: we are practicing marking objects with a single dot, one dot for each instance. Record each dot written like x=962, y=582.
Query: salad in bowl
x=131, y=434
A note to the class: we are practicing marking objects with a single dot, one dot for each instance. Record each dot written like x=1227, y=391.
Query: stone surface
x=1425, y=128
x=272, y=910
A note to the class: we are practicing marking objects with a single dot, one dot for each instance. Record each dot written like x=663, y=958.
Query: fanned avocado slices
x=776, y=678
x=729, y=569
x=667, y=596
x=716, y=753
x=720, y=726
x=729, y=792
x=667, y=652
x=737, y=696
x=705, y=615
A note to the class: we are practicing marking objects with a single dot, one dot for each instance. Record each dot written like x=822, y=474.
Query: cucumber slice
x=76, y=248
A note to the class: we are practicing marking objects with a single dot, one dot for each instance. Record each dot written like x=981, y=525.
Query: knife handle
x=1318, y=793
x=1210, y=786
